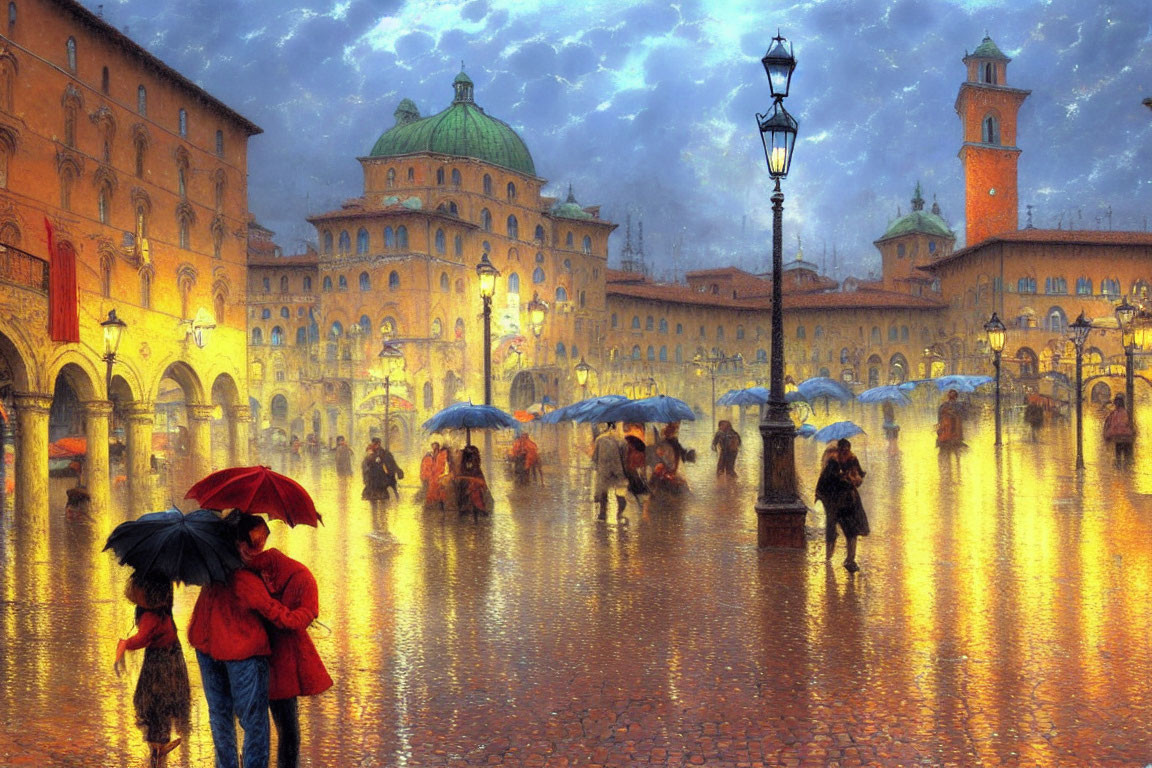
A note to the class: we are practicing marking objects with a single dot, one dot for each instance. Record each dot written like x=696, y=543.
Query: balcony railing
x=23, y=269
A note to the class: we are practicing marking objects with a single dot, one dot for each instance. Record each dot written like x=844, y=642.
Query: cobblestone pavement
x=1002, y=617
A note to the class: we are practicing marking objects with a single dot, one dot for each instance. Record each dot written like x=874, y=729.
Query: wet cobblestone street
x=1001, y=617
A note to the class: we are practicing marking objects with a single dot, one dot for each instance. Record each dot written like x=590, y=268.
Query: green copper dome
x=919, y=221
x=570, y=209
x=988, y=50
x=463, y=130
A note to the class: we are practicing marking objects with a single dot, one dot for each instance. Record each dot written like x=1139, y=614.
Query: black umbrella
x=193, y=548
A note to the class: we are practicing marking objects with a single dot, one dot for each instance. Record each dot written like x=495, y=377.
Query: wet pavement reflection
x=1001, y=617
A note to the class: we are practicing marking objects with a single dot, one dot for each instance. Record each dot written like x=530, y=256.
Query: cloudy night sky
x=648, y=107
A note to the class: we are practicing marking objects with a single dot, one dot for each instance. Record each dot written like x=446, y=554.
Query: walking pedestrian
x=1119, y=430
x=343, y=457
x=1033, y=415
x=375, y=474
x=472, y=496
x=840, y=477
x=294, y=666
x=162, y=698
x=950, y=423
x=608, y=461
x=727, y=444
x=232, y=650
x=891, y=428
x=426, y=465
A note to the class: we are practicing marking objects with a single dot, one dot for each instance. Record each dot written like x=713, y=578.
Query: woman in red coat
x=295, y=668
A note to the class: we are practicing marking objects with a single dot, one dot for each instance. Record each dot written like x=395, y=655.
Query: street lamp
x=582, y=369
x=779, y=511
x=487, y=274
x=536, y=310
x=113, y=330
x=995, y=330
x=1080, y=328
x=391, y=360
x=1126, y=317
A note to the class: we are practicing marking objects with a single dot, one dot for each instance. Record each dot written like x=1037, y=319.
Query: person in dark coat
x=472, y=495
x=343, y=457
x=163, y=699
x=294, y=667
x=840, y=477
x=727, y=444
x=379, y=470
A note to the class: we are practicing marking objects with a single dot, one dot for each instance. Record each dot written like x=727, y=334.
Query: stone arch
x=80, y=372
x=184, y=375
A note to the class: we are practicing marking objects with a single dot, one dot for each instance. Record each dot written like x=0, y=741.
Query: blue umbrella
x=749, y=396
x=890, y=393
x=576, y=412
x=838, y=431
x=822, y=386
x=724, y=398
x=806, y=430
x=908, y=386
x=660, y=409
x=961, y=383
x=468, y=417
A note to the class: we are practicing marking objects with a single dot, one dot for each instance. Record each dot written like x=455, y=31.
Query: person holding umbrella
x=608, y=460
x=295, y=668
x=840, y=477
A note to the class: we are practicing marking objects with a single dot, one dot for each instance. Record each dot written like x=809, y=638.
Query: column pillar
x=139, y=418
x=96, y=415
x=200, y=440
x=239, y=417
x=32, y=454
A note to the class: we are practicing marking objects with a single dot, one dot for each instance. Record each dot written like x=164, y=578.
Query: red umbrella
x=256, y=491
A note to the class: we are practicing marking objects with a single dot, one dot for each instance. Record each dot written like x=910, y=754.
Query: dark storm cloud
x=648, y=108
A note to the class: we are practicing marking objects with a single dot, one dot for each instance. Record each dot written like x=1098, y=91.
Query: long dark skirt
x=852, y=518
x=163, y=698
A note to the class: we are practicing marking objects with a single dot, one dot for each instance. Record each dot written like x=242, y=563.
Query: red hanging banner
x=63, y=300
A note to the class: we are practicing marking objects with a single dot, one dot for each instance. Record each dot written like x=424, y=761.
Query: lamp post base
x=781, y=524
x=780, y=514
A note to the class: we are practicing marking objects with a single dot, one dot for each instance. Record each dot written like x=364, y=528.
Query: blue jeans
x=237, y=689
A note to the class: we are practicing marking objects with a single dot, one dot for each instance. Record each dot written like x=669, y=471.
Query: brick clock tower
x=987, y=109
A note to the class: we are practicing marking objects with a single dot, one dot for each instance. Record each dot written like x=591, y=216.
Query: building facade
x=141, y=177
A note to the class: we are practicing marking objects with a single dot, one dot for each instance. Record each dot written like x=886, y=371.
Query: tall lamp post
x=995, y=330
x=487, y=274
x=391, y=360
x=1080, y=328
x=582, y=369
x=113, y=330
x=779, y=511
x=1126, y=316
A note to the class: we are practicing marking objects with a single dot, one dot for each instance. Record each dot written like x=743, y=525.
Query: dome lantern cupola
x=463, y=87
x=406, y=112
x=917, y=199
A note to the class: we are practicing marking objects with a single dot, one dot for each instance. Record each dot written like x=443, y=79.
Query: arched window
x=257, y=337
x=615, y=320
x=561, y=293
x=487, y=185
x=582, y=299
x=651, y=354
x=1083, y=286
x=445, y=282
x=266, y=284
x=568, y=240
x=337, y=330
x=393, y=280
x=219, y=143
x=455, y=178
x=539, y=237
x=365, y=325
x=761, y=355
x=342, y=283
x=140, y=146
x=276, y=339
x=875, y=334
x=459, y=329
x=587, y=244
x=663, y=325
x=636, y=352
x=411, y=174
x=402, y=237
x=800, y=332
x=70, y=124
x=679, y=329
x=818, y=332
x=439, y=177
x=440, y=244
x=428, y=402
x=362, y=242
x=538, y=275
x=327, y=242
x=893, y=333
x=513, y=228
x=388, y=327
x=284, y=287
x=365, y=282
x=513, y=283
x=1056, y=321
x=1055, y=285
x=345, y=243
x=485, y=220
x=1026, y=285
x=182, y=123
x=327, y=285
x=560, y=350
x=1110, y=287
x=66, y=179
x=990, y=130
x=663, y=354
x=575, y=352
x=649, y=323
x=511, y=191
x=142, y=100
x=719, y=333
x=739, y=333
x=990, y=73
x=307, y=284
x=301, y=336
x=679, y=354
x=389, y=238
x=903, y=333
x=844, y=356
x=390, y=178
x=635, y=322
x=539, y=257
x=70, y=49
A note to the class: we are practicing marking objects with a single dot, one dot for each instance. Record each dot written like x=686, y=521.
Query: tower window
x=104, y=80
x=71, y=49
x=990, y=133
x=183, y=123
x=990, y=73
x=219, y=143
x=142, y=100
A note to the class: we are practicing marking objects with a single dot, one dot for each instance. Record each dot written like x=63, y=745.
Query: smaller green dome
x=570, y=209
x=920, y=221
x=988, y=50
x=462, y=78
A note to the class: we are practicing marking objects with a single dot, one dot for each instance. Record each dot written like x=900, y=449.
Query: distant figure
x=313, y=444
x=437, y=484
x=1119, y=431
x=426, y=465
x=294, y=446
x=471, y=488
x=665, y=480
x=635, y=454
x=727, y=444
x=1033, y=416
x=525, y=458
x=163, y=699
x=608, y=461
x=891, y=428
x=343, y=457
x=840, y=477
x=950, y=423
x=374, y=474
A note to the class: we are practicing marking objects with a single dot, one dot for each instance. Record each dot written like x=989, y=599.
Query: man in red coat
x=295, y=667
x=232, y=650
